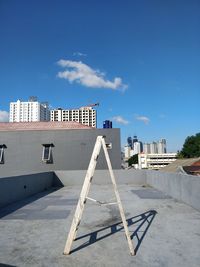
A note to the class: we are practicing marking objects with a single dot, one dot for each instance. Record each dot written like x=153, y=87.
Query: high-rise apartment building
x=162, y=146
x=135, y=139
x=127, y=152
x=134, y=147
x=84, y=115
x=137, y=147
x=29, y=111
x=155, y=147
x=146, y=148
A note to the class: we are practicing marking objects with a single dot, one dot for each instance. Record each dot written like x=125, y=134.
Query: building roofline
x=42, y=125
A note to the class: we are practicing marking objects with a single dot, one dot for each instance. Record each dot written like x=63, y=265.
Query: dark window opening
x=47, y=153
x=2, y=153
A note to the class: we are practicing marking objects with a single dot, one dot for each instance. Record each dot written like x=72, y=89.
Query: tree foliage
x=191, y=147
x=133, y=160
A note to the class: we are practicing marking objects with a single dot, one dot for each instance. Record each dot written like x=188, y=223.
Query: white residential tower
x=29, y=111
x=85, y=115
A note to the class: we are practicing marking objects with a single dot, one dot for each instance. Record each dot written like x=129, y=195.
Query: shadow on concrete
x=56, y=181
x=143, y=222
x=21, y=203
x=6, y=265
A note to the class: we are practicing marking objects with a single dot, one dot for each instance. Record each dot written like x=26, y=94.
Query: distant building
x=155, y=161
x=107, y=124
x=29, y=111
x=127, y=152
x=133, y=147
x=135, y=139
x=137, y=148
x=162, y=146
x=155, y=147
x=130, y=142
x=83, y=115
x=146, y=148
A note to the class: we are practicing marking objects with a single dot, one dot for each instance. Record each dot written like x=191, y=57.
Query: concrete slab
x=165, y=232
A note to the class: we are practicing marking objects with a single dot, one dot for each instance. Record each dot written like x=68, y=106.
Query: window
x=2, y=153
x=47, y=153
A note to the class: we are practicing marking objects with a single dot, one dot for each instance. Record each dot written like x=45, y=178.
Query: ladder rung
x=109, y=203
x=102, y=203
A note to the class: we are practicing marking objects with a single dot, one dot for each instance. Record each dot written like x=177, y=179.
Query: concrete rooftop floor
x=165, y=232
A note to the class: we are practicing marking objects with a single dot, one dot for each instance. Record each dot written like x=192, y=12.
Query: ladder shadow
x=143, y=222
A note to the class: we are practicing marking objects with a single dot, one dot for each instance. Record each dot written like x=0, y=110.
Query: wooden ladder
x=100, y=142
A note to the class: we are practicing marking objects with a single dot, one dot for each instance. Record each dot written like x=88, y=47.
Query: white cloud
x=76, y=71
x=120, y=119
x=143, y=119
x=4, y=116
x=79, y=54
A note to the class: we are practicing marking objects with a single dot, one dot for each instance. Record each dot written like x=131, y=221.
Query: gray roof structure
x=174, y=166
x=165, y=231
x=42, y=126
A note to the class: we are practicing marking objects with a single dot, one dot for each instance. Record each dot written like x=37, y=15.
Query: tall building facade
x=146, y=148
x=155, y=147
x=84, y=115
x=127, y=152
x=137, y=147
x=135, y=140
x=133, y=147
x=29, y=111
x=130, y=142
x=162, y=146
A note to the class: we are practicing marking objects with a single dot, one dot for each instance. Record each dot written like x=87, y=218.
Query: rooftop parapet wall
x=185, y=188
x=15, y=188
x=101, y=177
x=182, y=187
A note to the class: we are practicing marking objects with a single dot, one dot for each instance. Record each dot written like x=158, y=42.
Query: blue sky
x=139, y=59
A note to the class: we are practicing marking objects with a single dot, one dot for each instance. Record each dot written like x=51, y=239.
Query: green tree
x=191, y=147
x=133, y=160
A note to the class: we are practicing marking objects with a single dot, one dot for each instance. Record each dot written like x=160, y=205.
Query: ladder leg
x=83, y=195
x=130, y=244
